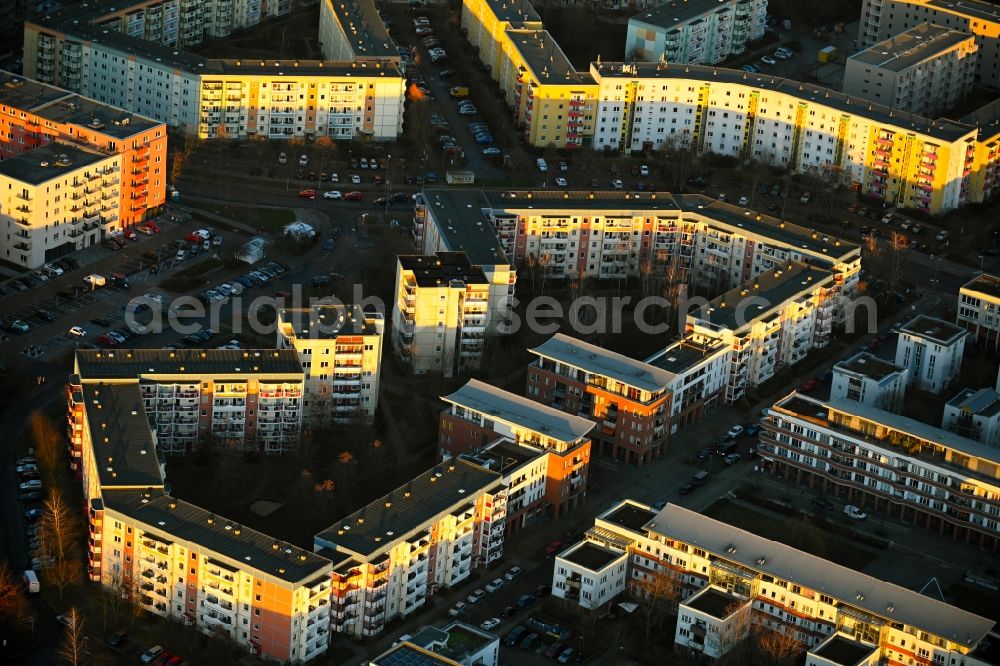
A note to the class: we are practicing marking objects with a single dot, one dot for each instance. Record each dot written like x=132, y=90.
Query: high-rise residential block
x=340, y=348
x=695, y=31
x=925, y=70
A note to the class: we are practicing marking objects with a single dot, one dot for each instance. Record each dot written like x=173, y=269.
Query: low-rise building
x=424, y=536
x=54, y=201
x=34, y=114
x=455, y=643
x=245, y=399
x=932, y=350
x=340, y=348
x=694, y=31
x=444, y=310
x=884, y=462
x=925, y=70
x=589, y=574
x=870, y=380
x=730, y=582
x=478, y=414
x=979, y=308
x=628, y=400
x=974, y=414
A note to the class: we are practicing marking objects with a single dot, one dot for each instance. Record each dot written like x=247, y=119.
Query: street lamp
x=388, y=180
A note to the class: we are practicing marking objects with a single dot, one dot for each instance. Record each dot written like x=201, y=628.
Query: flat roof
x=456, y=640
x=96, y=116
x=932, y=328
x=606, y=363
x=463, y=226
x=869, y=365
x=848, y=586
x=985, y=284
x=741, y=306
x=123, y=447
x=187, y=363
x=843, y=651
x=363, y=26
x=630, y=516
x=685, y=354
x=546, y=59
x=503, y=456
x=442, y=268
x=591, y=556
x=270, y=67
x=408, y=507
x=237, y=544
x=513, y=11
x=912, y=47
x=942, y=129
x=973, y=8
x=983, y=402
x=817, y=410
x=27, y=94
x=677, y=12
x=714, y=602
x=497, y=404
x=408, y=654
x=329, y=321
x=53, y=160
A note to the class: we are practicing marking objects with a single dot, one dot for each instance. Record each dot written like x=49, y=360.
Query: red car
x=553, y=548
x=107, y=341
x=809, y=384
x=131, y=235
x=308, y=194
x=154, y=226
x=353, y=196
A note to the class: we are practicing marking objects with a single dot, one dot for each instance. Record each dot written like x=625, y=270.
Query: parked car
x=529, y=641
x=525, y=600
x=809, y=384
x=822, y=503
x=494, y=585
x=18, y=326
x=566, y=655
x=475, y=596
x=854, y=512
x=152, y=653
x=490, y=624
x=553, y=650
x=553, y=548
x=457, y=609
x=512, y=573
x=117, y=639
x=514, y=637
x=735, y=431
x=332, y=194
x=307, y=194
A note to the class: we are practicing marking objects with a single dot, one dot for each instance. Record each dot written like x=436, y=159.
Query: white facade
x=695, y=31
x=870, y=380
x=700, y=372
x=589, y=574
x=712, y=622
x=341, y=353
x=56, y=199
x=979, y=308
x=925, y=70
x=974, y=414
x=932, y=350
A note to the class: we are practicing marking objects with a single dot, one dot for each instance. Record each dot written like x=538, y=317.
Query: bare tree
x=13, y=604
x=57, y=526
x=737, y=627
x=73, y=648
x=657, y=594
x=545, y=262
x=779, y=646
x=48, y=444
x=678, y=155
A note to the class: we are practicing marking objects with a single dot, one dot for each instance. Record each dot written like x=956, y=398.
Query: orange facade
x=143, y=180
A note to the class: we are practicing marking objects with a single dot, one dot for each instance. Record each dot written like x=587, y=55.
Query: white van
x=542, y=166
x=95, y=280
x=31, y=581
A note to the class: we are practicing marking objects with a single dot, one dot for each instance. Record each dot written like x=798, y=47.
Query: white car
x=768, y=60
x=32, y=484
x=457, y=609
x=644, y=170
x=489, y=624
x=561, y=182
x=854, y=512
x=303, y=160
x=53, y=270
x=475, y=597
x=282, y=158
x=333, y=194
x=494, y=585
x=618, y=184
x=151, y=654
x=512, y=573
x=355, y=179
x=78, y=331
x=334, y=178
x=735, y=431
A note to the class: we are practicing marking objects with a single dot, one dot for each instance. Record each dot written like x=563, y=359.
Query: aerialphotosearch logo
x=545, y=315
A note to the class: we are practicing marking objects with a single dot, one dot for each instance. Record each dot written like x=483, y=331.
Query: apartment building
x=695, y=31
x=524, y=473
x=731, y=582
x=905, y=160
x=610, y=235
x=485, y=23
x=925, y=70
x=455, y=644
x=177, y=560
x=425, y=536
x=589, y=574
x=445, y=309
x=340, y=349
x=872, y=381
x=974, y=414
x=698, y=369
x=979, y=308
x=353, y=31
x=51, y=201
x=629, y=401
x=86, y=49
x=888, y=463
x=477, y=414
x=33, y=115
x=932, y=350
x=882, y=19
x=244, y=399
x=770, y=323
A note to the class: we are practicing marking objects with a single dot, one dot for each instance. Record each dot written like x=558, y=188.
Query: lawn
x=796, y=533
x=266, y=219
